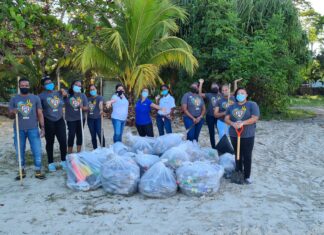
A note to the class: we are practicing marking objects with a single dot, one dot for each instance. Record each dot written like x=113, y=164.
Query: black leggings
x=246, y=149
x=145, y=130
x=53, y=129
x=212, y=125
x=75, y=130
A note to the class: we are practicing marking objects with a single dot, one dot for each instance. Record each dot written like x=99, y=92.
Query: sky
x=318, y=5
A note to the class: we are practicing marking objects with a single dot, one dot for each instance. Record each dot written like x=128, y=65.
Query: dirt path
x=287, y=196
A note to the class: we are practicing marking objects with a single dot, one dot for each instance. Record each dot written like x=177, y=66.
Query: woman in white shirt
x=119, y=114
x=163, y=117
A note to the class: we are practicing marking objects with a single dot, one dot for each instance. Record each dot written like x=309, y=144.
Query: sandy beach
x=286, y=197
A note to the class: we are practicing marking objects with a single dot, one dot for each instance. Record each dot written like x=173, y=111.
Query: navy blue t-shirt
x=142, y=112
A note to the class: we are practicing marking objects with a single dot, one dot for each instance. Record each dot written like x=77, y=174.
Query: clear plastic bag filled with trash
x=228, y=162
x=145, y=161
x=158, y=182
x=199, y=178
x=120, y=175
x=84, y=169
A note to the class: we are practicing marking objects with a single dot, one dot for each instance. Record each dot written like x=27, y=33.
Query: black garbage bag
x=224, y=146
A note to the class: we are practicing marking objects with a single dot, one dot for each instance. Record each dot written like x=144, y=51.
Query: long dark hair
x=71, y=92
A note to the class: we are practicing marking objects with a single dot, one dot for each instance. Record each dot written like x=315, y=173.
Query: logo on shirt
x=53, y=102
x=226, y=104
x=196, y=101
x=239, y=113
x=213, y=101
x=25, y=108
x=92, y=106
x=75, y=102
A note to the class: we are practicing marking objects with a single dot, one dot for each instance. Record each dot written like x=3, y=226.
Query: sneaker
x=51, y=167
x=23, y=172
x=63, y=165
x=39, y=175
x=248, y=181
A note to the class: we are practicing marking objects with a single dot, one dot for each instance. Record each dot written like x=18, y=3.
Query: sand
x=286, y=197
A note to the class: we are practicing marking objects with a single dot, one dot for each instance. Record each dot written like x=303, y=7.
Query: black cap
x=44, y=79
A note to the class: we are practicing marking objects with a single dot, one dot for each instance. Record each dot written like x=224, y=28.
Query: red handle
x=239, y=131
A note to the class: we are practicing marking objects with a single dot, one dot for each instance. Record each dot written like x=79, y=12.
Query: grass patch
x=290, y=115
x=307, y=100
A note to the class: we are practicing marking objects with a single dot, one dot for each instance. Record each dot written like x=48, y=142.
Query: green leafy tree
x=138, y=44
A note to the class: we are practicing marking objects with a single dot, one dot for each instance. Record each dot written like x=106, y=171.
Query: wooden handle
x=102, y=118
x=82, y=130
x=238, y=148
x=18, y=148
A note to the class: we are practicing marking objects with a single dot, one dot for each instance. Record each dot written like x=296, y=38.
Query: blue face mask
x=144, y=94
x=240, y=97
x=76, y=89
x=49, y=86
x=164, y=92
x=93, y=92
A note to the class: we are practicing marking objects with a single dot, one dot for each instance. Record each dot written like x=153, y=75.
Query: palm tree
x=137, y=43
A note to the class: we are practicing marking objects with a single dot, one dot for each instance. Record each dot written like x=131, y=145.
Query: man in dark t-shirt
x=28, y=107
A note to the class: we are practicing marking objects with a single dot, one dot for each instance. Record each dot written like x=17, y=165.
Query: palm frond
x=176, y=57
x=144, y=76
x=94, y=58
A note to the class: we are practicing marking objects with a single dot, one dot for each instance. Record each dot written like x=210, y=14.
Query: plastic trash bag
x=120, y=175
x=228, y=162
x=119, y=148
x=210, y=155
x=199, y=178
x=193, y=149
x=175, y=157
x=224, y=146
x=145, y=161
x=165, y=142
x=140, y=144
x=158, y=182
x=130, y=155
x=84, y=169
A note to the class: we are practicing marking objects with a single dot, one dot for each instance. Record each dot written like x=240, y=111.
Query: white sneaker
x=248, y=181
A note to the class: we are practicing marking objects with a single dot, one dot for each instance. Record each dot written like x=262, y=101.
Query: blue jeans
x=163, y=122
x=35, y=145
x=222, y=128
x=95, y=130
x=193, y=134
x=118, y=129
x=212, y=124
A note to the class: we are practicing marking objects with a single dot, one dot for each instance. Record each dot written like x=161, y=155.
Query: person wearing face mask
x=193, y=108
x=95, y=111
x=119, y=113
x=244, y=114
x=220, y=110
x=30, y=114
x=52, y=102
x=163, y=119
x=143, y=119
x=212, y=97
x=75, y=101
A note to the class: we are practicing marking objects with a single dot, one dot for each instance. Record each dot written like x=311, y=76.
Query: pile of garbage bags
x=156, y=167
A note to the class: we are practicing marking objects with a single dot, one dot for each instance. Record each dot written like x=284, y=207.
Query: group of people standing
x=224, y=112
